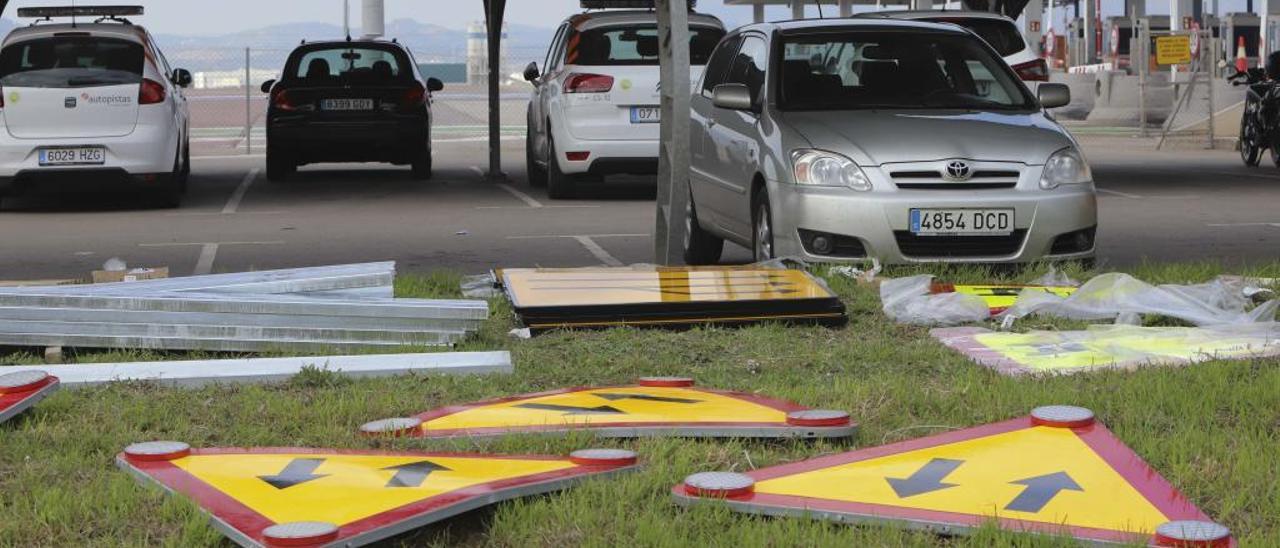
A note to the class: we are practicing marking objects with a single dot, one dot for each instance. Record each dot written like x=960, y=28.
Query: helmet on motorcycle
x=1273, y=65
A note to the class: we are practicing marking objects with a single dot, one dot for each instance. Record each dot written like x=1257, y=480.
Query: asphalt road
x=1180, y=205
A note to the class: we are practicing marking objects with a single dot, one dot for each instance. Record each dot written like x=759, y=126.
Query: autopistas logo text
x=108, y=100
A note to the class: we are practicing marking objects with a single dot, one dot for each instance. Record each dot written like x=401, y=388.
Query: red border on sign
x=1147, y=481
x=775, y=404
x=251, y=524
x=15, y=399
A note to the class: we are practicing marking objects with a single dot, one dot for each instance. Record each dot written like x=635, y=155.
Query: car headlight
x=1065, y=167
x=822, y=168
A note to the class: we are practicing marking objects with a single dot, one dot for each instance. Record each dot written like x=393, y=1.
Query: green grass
x=1212, y=429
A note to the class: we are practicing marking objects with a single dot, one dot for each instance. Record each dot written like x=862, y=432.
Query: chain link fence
x=228, y=108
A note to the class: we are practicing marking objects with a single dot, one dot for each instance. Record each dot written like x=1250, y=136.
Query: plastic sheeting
x=1124, y=299
x=911, y=301
x=1110, y=346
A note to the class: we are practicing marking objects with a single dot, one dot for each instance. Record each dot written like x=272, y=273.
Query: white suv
x=594, y=110
x=87, y=106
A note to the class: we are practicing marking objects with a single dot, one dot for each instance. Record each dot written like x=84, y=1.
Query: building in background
x=478, y=54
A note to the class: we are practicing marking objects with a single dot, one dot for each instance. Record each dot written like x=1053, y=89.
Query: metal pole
x=248, y=102
x=494, y=10
x=673, y=147
x=1144, y=43
x=1207, y=60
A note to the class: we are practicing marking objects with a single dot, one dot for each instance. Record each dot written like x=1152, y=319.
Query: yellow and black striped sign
x=599, y=297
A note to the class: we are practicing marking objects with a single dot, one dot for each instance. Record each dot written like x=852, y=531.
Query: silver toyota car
x=906, y=141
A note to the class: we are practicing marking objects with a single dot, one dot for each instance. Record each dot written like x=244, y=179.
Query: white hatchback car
x=91, y=106
x=594, y=110
x=1000, y=32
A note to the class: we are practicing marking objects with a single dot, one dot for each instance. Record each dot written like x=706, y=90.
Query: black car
x=349, y=101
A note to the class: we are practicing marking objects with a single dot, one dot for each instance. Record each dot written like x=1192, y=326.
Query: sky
x=223, y=16
x=197, y=17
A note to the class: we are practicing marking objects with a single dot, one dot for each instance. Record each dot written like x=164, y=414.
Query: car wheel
x=537, y=174
x=559, y=185
x=762, y=234
x=700, y=247
x=1274, y=148
x=279, y=165
x=422, y=165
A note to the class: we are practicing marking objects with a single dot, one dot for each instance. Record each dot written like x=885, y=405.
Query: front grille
x=943, y=247
x=922, y=179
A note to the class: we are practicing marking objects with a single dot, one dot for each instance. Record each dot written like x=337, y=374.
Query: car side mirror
x=531, y=73
x=1053, y=95
x=434, y=85
x=732, y=97
x=182, y=77
x=266, y=86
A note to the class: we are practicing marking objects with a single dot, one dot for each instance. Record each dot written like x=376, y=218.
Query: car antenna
x=819, y=4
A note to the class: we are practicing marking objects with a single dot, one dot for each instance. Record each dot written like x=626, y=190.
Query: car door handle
x=711, y=123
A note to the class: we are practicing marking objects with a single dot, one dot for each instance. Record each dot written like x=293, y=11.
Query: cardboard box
x=131, y=275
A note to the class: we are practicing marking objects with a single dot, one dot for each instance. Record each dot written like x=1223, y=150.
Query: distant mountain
x=430, y=43
x=427, y=41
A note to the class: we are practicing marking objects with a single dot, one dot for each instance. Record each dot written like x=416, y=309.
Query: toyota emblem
x=959, y=170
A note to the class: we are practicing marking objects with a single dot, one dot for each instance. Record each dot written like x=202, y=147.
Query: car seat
x=318, y=69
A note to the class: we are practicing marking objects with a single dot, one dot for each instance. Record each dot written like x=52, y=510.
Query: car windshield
x=71, y=62
x=634, y=45
x=346, y=65
x=892, y=69
x=1002, y=35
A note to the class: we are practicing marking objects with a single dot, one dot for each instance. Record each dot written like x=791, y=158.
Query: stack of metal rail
x=312, y=309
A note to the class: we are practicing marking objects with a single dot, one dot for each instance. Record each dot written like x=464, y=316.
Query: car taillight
x=1033, y=71
x=151, y=93
x=588, y=83
x=280, y=99
x=413, y=97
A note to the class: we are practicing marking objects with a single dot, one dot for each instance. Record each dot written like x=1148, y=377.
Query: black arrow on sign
x=927, y=479
x=1040, y=490
x=573, y=410
x=645, y=397
x=414, y=473
x=296, y=472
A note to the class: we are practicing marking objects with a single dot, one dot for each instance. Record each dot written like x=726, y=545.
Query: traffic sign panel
x=19, y=391
x=1055, y=472
x=666, y=296
x=323, y=497
x=653, y=407
x=999, y=297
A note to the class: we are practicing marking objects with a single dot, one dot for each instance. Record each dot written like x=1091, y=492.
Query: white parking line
x=233, y=203
x=208, y=252
x=521, y=196
x=546, y=236
x=588, y=241
x=1120, y=194
x=1232, y=225
x=204, y=265
x=599, y=252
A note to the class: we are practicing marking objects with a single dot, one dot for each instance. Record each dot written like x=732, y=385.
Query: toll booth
x=1235, y=26
x=1075, y=43
x=1119, y=37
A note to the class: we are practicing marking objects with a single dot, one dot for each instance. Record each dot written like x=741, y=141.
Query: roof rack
x=624, y=4
x=103, y=13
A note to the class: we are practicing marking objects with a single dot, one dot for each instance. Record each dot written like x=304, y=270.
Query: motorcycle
x=1260, y=121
